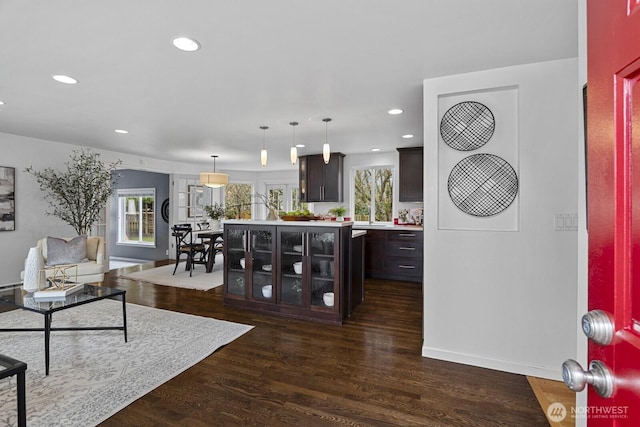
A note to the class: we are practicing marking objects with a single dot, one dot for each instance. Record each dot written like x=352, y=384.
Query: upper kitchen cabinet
x=411, y=174
x=320, y=182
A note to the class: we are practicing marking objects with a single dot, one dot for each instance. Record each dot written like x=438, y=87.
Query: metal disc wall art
x=482, y=185
x=467, y=126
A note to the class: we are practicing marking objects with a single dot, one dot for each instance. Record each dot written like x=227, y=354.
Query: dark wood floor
x=367, y=372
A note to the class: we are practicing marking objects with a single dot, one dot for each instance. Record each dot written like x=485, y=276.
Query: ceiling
x=261, y=63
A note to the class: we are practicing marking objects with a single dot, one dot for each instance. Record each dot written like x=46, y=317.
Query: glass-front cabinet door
x=322, y=263
x=307, y=276
x=262, y=263
x=291, y=279
x=249, y=262
x=235, y=239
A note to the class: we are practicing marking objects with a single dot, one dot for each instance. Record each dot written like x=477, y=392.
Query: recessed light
x=121, y=131
x=375, y=149
x=64, y=79
x=300, y=145
x=185, y=43
x=407, y=136
x=1, y=102
x=395, y=111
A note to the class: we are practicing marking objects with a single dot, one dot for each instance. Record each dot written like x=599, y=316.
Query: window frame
x=122, y=195
x=372, y=205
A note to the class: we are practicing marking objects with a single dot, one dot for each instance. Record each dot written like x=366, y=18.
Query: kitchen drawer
x=405, y=236
x=404, y=266
x=409, y=249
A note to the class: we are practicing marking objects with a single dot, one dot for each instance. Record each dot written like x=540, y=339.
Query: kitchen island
x=302, y=269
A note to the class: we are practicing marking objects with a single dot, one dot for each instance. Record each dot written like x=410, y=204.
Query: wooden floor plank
x=367, y=372
x=549, y=392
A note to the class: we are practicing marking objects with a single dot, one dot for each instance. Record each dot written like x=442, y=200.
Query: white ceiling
x=261, y=63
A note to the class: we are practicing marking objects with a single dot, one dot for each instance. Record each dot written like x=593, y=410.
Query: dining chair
x=196, y=252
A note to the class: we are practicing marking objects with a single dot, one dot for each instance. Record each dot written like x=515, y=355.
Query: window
x=238, y=201
x=286, y=196
x=136, y=216
x=373, y=192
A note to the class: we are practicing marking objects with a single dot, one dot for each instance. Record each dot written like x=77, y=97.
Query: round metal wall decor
x=482, y=185
x=164, y=211
x=467, y=126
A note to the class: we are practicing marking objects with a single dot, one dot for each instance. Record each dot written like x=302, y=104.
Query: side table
x=8, y=368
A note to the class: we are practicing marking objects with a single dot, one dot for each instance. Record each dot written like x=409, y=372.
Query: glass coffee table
x=15, y=296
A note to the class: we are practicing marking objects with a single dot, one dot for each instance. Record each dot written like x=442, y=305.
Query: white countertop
x=280, y=223
x=387, y=227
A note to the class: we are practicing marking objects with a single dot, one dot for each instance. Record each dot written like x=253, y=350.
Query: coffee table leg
x=22, y=400
x=124, y=316
x=47, y=335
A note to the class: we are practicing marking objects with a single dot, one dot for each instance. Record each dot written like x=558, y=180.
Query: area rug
x=199, y=279
x=94, y=374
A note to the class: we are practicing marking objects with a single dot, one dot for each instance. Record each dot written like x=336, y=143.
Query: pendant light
x=214, y=179
x=263, y=153
x=326, y=149
x=294, y=150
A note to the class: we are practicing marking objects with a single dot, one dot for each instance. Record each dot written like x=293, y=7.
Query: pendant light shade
x=263, y=153
x=326, y=149
x=294, y=150
x=214, y=179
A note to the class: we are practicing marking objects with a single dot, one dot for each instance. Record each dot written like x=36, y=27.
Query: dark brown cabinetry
x=410, y=180
x=394, y=255
x=293, y=270
x=320, y=182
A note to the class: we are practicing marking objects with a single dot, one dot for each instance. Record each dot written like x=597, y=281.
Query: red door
x=613, y=211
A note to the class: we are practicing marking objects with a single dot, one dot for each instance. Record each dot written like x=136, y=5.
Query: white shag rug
x=199, y=279
x=94, y=374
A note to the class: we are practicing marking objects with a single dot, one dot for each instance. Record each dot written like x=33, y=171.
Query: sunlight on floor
x=115, y=263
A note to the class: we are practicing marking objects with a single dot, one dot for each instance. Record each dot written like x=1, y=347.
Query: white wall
x=507, y=299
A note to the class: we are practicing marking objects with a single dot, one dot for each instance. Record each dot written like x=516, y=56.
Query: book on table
x=61, y=291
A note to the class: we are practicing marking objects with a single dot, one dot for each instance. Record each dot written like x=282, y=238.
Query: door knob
x=598, y=376
x=598, y=326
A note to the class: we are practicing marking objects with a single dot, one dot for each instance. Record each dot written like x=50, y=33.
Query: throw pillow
x=60, y=251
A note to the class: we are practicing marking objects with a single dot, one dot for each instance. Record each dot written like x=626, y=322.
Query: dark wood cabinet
x=320, y=182
x=410, y=179
x=293, y=270
x=249, y=259
x=394, y=255
x=375, y=252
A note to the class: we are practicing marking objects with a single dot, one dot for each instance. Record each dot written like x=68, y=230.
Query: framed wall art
x=7, y=198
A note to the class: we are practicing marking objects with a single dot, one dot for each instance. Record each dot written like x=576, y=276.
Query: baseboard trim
x=551, y=373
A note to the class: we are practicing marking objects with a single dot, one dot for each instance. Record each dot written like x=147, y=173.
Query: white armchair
x=90, y=269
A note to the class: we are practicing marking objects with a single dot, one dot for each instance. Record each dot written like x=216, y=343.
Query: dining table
x=209, y=237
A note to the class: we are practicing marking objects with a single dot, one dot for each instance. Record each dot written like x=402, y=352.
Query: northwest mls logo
x=556, y=412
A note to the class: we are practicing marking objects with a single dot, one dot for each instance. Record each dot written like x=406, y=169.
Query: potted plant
x=78, y=195
x=339, y=212
x=215, y=212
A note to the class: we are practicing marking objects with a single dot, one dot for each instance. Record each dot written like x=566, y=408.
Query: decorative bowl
x=328, y=299
x=300, y=217
x=267, y=291
x=266, y=267
x=297, y=267
x=242, y=263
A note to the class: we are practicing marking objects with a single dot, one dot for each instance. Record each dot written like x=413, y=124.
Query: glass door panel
x=322, y=256
x=262, y=263
x=234, y=261
x=291, y=266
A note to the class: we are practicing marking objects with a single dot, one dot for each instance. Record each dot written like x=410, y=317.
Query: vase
x=34, y=277
x=215, y=224
x=272, y=215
